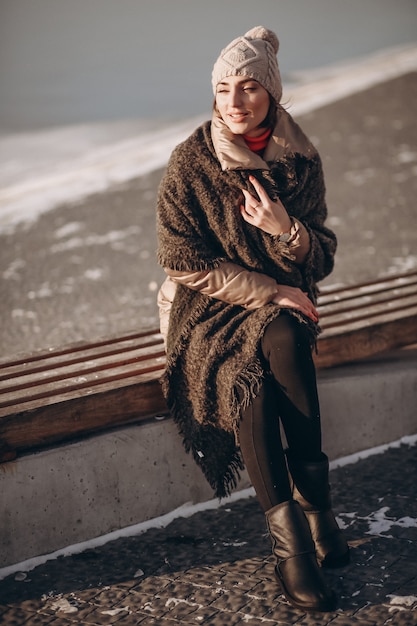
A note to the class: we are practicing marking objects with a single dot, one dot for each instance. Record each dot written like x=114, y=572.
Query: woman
x=241, y=214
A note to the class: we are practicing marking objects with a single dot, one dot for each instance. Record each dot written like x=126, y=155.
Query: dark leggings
x=289, y=395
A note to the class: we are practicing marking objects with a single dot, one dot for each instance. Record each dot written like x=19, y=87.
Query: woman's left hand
x=265, y=214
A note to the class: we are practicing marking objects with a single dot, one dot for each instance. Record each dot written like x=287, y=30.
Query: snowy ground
x=77, y=207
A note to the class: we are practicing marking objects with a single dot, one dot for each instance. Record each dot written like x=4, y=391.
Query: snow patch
x=64, y=606
x=379, y=523
x=400, y=603
x=68, y=229
x=410, y=440
x=112, y=237
x=44, y=291
x=403, y=264
x=94, y=274
x=13, y=271
x=113, y=612
x=403, y=600
x=406, y=155
x=360, y=177
x=177, y=601
x=21, y=313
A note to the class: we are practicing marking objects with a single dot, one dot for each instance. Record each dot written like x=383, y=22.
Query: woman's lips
x=237, y=117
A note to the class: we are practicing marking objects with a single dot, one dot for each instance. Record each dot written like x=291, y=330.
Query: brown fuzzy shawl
x=213, y=352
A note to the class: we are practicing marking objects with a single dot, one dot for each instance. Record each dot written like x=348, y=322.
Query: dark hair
x=270, y=119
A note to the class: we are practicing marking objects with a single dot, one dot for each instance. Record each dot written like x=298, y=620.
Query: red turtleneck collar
x=258, y=144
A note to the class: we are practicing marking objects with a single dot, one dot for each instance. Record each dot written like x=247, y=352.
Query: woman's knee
x=285, y=333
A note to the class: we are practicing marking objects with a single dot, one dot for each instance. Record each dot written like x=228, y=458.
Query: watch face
x=284, y=237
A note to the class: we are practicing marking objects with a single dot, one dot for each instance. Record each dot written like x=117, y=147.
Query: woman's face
x=243, y=104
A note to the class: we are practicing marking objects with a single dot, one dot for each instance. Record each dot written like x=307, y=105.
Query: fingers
x=309, y=311
x=263, y=196
x=294, y=298
x=251, y=204
x=308, y=308
x=249, y=199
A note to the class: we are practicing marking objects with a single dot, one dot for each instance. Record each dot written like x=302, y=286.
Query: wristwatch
x=284, y=237
x=290, y=235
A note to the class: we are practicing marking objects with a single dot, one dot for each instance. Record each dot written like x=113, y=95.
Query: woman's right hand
x=294, y=298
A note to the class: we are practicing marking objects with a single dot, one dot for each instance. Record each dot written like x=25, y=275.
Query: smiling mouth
x=237, y=116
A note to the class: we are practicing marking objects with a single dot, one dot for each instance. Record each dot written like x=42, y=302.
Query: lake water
x=81, y=61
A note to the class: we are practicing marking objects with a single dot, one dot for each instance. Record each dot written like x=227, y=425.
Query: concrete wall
x=79, y=491
x=370, y=403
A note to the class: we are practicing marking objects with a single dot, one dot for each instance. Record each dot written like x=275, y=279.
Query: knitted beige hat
x=252, y=55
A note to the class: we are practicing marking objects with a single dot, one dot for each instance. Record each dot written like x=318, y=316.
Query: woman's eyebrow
x=240, y=82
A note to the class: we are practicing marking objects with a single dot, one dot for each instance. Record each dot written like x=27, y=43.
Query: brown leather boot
x=297, y=571
x=312, y=490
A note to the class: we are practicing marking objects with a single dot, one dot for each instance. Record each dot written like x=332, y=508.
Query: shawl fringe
x=206, y=442
x=200, y=265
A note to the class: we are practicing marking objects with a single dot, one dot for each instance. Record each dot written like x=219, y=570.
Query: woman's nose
x=235, y=98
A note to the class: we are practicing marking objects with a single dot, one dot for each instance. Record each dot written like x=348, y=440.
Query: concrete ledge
x=370, y=403
x=79, y=491
x=74, y=492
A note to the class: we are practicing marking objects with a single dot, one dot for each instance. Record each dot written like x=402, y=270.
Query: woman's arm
x=230, y=283
x=233, y=284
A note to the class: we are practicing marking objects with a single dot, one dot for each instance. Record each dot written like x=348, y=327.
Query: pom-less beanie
x=253, y=55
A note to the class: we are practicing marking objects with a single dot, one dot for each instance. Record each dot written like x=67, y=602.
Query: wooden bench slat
x=405, y=307
x=38, y=362
x=361, y=341
x=138, y=358
x=334, y=294
x=394, y=295
x=77, y=384
x=62, y=396
x=71, y=417
x=79, y=346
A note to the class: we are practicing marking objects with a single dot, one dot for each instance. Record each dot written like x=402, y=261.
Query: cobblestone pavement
x=215, y=567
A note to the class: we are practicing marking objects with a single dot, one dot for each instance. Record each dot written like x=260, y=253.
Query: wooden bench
x=66, y=393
